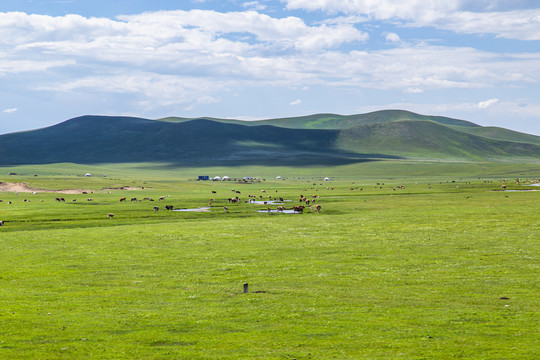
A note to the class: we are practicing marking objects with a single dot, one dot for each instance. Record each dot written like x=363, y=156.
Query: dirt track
x=23, y=188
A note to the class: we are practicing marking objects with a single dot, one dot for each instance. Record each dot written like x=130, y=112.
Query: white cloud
x=487, y=103
x=193, y=57
x=392, y=37
x=508, y=19
x=295, y=102
x=254, y=5
x=10, y=111
x=154, y=90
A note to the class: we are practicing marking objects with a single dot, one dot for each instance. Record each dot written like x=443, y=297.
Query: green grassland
x=445, y=268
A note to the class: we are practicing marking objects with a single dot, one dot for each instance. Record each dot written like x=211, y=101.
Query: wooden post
x=246, y=288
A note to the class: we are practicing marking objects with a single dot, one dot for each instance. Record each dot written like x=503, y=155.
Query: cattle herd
x=310, y=202
x=266, y=200
x=236, y=200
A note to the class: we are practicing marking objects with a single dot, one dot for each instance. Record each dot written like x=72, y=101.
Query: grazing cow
x=161, y=198
x=73, y=200
x=214, y=192
x=169, y=207
x=226, y=209
x=318, y=208
x=133, y=199
x=503, y=187
x=280, y=208
x=9, y=202
x=110, y=215
x=122, y=199
x=89, y=199
x=1, y=223
x=156, y=208
x=298, y=209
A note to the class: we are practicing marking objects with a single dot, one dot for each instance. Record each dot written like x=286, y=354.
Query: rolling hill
x=323, y=139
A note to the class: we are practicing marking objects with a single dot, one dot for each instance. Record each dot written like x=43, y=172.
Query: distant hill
x=334, y=121
x=323, y=139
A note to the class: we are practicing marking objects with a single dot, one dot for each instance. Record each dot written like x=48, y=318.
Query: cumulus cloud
x=192, y=57
x=295, y=102
x=487, y=103
x=254, y=5
x=9, y=111
x=392, y=37
x=508, y=19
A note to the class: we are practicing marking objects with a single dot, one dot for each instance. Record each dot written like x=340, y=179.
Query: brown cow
x=110, y=215
x=298, y=209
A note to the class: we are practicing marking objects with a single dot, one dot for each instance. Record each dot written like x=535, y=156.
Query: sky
x=477, y=60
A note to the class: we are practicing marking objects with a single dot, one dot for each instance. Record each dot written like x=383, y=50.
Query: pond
x=202, y=209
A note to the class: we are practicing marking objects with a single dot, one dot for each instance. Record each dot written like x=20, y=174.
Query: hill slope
x=336, y=122
x=319, y=140
x=427, y=139
x=100, y=139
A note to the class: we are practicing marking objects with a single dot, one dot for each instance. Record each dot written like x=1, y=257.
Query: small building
x=203, y=177
x=87, y=174
x=278, y=177
x=225, y=178
x=217, y=178
x=326, y=179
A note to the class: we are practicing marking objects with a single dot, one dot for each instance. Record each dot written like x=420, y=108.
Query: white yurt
x=326, y=179
x=217, y=178
x=278, y=177
x=225, y=178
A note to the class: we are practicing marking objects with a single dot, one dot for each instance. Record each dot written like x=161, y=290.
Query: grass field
x=445, y=268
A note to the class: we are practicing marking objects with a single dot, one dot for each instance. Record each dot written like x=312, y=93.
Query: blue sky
x=477, y=60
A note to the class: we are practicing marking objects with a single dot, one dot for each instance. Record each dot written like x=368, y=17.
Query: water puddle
x=203, y=209
x=275, y=211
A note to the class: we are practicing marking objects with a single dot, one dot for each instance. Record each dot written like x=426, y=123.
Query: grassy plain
x=445, y=268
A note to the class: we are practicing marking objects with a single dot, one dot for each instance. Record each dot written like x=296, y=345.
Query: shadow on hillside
x=294, y=160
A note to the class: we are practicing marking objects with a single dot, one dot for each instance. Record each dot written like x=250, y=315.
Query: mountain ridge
x=316, y=140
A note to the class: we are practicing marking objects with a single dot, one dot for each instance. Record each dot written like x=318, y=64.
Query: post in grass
x=246, y=288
